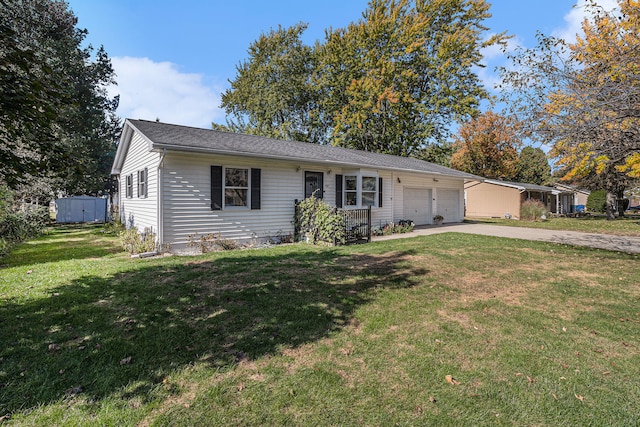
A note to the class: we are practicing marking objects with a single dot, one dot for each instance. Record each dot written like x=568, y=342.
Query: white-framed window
x=142, y=183
x=351, y=190
x=236, y=187
x=129, y=186
x=361, y=189
x=369, y=190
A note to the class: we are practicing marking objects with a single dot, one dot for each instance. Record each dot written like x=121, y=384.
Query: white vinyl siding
x=187, y=199
x=140, y=211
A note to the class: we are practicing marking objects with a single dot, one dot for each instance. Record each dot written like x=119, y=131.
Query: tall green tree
x=57, y=123
x=488, y=146
x=393, y=82
x=396, y=80
x=533, y=166
x=583, y=98
x=272, y=93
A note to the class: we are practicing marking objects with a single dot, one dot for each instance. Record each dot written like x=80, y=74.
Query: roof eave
x=172, y=147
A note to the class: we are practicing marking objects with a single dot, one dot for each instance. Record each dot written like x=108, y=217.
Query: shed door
x=417, y=205
x=449, y=205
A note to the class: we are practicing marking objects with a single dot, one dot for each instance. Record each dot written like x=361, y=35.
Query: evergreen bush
x=597, y=201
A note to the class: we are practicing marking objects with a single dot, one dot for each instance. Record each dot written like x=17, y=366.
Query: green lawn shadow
x=122, y=335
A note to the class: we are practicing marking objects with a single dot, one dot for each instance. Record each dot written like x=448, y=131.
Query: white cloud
x=158, y=90
x=573, y=19
x=498, y=50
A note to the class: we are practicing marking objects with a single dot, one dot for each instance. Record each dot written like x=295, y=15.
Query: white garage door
x=417, y=205
x=449, y=204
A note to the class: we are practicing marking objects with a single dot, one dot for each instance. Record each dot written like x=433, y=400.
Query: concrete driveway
x=601, y=241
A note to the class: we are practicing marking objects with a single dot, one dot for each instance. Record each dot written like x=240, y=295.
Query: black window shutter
x=380, y=192
x=339, y=191
x=255, y=188
x=216, y=188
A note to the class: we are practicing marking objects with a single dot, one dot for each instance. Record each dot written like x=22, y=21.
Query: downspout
x=393, y=198
x=159, y=199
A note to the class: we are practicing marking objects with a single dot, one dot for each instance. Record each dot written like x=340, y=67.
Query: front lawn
x=627, y=226
x=449, y=329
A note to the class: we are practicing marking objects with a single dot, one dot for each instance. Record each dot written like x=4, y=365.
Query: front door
x=313, y=181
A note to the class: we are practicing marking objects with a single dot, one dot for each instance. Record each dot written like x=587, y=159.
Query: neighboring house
x=500, y=199
x=178, y=180
x=571, y=199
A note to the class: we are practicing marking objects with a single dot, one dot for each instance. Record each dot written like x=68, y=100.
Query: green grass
x=627, y=226
x=533, y=334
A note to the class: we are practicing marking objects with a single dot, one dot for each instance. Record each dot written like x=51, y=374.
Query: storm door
x=313, y=181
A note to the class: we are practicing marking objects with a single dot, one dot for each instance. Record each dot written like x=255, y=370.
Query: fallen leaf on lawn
x=432, y=399
x=579, y=397
x=531, y=380
x=54, y=347
x=518, y=374
x=73, y=391
x=606, y=373
x=452, y=380
x=418, y=409
x=554, y=396
x=125, y=361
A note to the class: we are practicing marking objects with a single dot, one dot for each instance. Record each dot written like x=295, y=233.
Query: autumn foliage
x=488, y=146
x=583, y=98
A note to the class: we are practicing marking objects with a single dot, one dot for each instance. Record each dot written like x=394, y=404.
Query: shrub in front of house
x=403, y=226
x=532, y=210
x=317, y=221
x=597, y=201
x=135, y=242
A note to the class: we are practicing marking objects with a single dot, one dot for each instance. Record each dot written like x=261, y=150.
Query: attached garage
x=449, y=204
x=417, y=205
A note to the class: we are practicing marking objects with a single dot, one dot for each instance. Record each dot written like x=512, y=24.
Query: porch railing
x=357, y=225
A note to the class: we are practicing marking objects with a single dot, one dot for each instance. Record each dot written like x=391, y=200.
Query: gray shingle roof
x=162, y=135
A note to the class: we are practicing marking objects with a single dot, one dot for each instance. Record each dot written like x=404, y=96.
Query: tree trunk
x=620, y=202
x=611, y=209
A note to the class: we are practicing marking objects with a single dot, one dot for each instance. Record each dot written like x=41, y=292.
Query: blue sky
x=174, y=59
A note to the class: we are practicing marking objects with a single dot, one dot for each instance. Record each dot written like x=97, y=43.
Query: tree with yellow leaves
x=583, y=98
